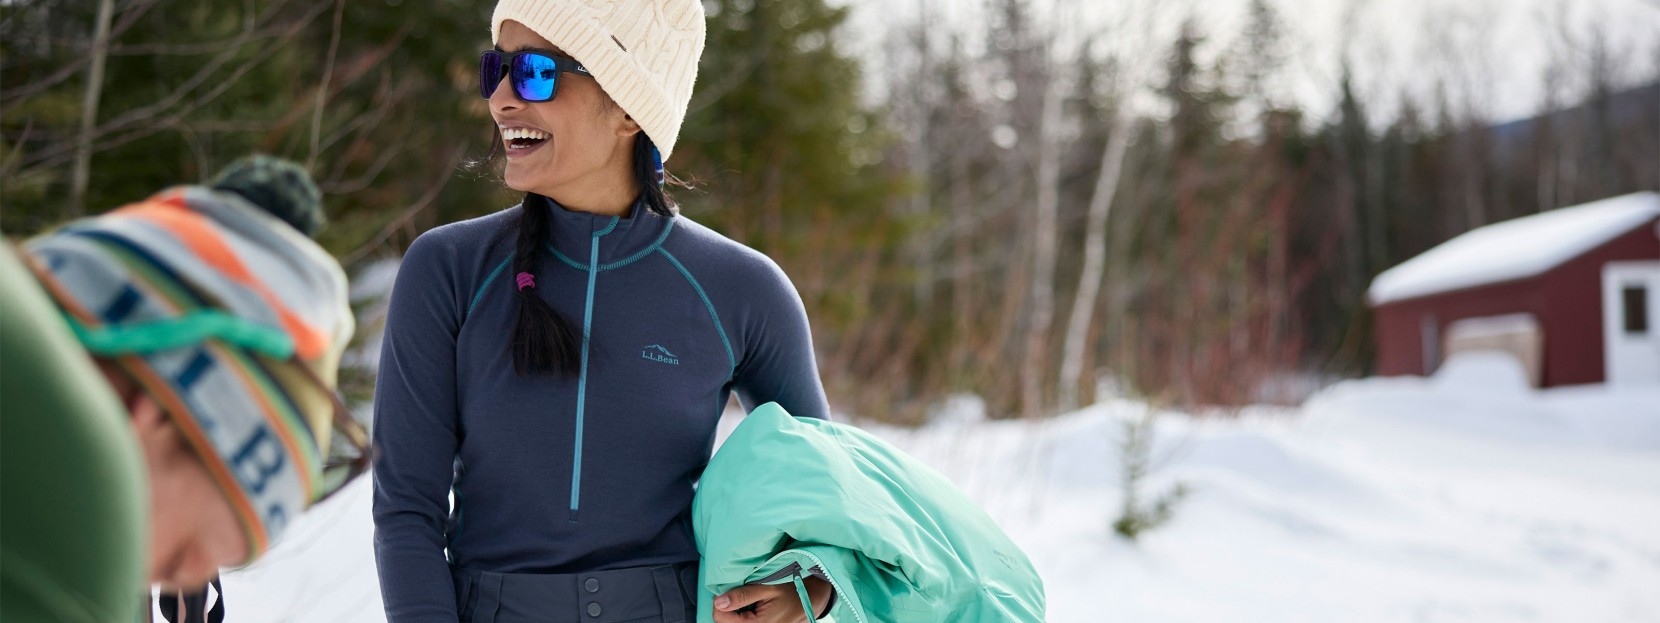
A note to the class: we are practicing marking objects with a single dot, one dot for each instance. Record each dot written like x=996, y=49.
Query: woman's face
x=193, y=531
x=585, y=154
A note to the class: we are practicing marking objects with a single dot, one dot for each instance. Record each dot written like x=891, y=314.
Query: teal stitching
x=480, y=295
x=609, y=227
x=636, y=257
x=568, y=261
x=619, y=263
x=710, y=306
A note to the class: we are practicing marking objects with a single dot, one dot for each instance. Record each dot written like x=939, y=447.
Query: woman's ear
x=629, y=126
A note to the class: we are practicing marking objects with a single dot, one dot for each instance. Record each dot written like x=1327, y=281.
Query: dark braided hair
x=545, y=342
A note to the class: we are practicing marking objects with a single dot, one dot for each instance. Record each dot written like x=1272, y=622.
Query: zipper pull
x=801, y=591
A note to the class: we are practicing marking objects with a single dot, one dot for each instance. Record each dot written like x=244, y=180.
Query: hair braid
x=543, y=341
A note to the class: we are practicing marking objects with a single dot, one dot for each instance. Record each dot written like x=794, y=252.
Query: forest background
x=1034, y=202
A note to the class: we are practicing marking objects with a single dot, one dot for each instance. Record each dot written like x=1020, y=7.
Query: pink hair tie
x=526, y=280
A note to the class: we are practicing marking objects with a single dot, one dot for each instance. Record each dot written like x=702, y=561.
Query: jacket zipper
x=582, y=377
x=776, y=577
x=792, y=572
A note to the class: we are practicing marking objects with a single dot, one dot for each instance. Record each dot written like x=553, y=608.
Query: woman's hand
x=778, y=603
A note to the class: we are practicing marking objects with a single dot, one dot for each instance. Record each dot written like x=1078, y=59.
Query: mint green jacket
x=788, y=497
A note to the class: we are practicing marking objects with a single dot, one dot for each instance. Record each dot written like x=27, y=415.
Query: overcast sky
x=1491, y=54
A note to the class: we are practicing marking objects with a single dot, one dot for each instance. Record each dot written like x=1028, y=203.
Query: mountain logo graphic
x=657, y=353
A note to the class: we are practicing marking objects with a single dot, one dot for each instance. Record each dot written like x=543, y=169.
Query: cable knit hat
x=644, y=53
x=231, y=319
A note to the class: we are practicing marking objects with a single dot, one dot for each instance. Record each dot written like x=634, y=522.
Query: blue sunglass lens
x=534, y=77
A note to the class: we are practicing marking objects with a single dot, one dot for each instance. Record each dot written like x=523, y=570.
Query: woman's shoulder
x=726, y=268
x=455, y=256
x=696, y=243
x=471, y=233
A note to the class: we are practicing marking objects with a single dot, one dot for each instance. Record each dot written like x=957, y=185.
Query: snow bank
x=1486, y=395
x=1456, y=498
x=1481, y=373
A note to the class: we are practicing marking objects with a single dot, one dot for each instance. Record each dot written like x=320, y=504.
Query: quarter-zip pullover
x=559, y=475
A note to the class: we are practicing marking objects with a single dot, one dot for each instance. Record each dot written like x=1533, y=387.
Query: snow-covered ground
x=1380, y=500
x=1466, y=497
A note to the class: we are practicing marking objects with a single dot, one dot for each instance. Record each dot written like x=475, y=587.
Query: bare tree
x=89, y=107
x=1129, y=78
x=1044, y=234
x=323, y=89
x=1095, y=253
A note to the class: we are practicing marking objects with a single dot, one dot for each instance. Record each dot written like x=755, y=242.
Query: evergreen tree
x=378, y=101
x=786, y=155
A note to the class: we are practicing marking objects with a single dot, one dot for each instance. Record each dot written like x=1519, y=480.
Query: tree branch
x=323, y=88
x=403, y=220
x=15, y=96
x=146, y=117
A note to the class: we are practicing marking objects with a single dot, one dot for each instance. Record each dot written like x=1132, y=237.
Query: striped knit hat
x=232, y=320
x=644, y=53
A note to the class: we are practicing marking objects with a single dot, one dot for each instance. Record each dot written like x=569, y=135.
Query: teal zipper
x=582, y=377
x=792, y=573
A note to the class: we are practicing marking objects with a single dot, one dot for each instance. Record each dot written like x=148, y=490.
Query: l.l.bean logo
x=659, y=354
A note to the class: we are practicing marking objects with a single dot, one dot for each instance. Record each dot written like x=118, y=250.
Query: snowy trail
x=1379, y=500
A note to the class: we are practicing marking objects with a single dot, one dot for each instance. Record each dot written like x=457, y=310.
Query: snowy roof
x=1514, y=249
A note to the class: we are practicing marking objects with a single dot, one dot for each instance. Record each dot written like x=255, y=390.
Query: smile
x=523, y=140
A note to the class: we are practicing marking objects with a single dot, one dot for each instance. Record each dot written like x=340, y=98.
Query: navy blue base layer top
x=567, y=475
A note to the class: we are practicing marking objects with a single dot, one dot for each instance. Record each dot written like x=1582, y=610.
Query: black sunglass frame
x=561, y=64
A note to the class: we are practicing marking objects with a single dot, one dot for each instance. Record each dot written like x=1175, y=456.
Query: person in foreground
x=167, y=393
x=560, y=366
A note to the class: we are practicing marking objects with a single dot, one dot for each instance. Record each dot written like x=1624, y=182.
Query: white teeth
x=509, y=134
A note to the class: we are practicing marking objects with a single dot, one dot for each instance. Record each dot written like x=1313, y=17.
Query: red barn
x=1574, y=293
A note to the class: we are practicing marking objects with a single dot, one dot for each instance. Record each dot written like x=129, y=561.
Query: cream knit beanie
x=644, y=53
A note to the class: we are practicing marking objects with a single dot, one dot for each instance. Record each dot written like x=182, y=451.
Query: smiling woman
x=587, y=166
x=560, y=366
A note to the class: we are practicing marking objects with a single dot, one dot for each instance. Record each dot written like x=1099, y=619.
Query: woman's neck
x=608, y=206
x=612, y=194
